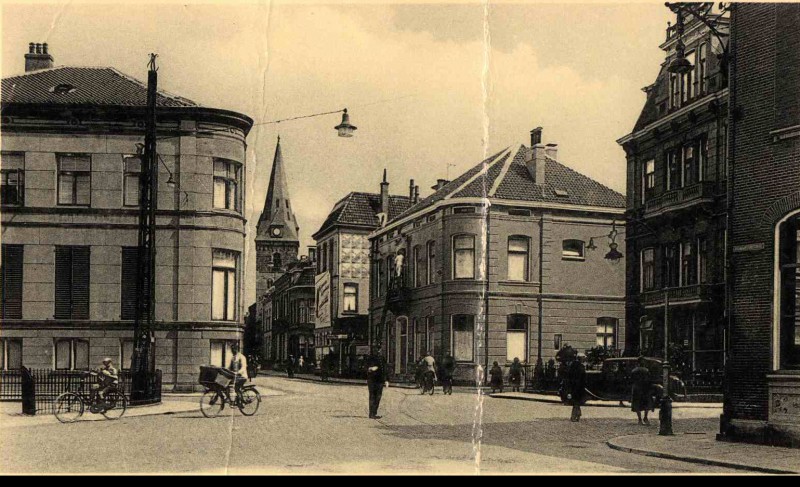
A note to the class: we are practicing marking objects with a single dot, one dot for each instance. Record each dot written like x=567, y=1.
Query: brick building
x=676, y=208
x=70, y=174
x=497, y=264
x=291, y=306
x=763, y=395
x=343, y=281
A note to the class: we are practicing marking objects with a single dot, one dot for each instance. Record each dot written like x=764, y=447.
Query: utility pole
x=143, y=356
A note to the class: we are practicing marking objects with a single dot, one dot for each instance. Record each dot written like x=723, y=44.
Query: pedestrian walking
x=641, y=391
x=576, y=385
x=448, y=368
x=301, y=362
x=290, y=363
x=496, y=374
x=376, y=380
x=515, y=374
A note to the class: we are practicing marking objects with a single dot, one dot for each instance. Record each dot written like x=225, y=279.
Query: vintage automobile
x=612, y=382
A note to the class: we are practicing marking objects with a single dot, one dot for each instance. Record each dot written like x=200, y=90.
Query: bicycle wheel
x=116, y=404
x=249, y=401
x=68, y=407
x=211, y=404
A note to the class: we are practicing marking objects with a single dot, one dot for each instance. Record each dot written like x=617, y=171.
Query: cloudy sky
x=431, y=87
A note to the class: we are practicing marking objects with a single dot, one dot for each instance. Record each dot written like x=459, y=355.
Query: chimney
x=552, y=151
x=536, y=136
x=411, y=189
x=37, y=57
x=439, y=184
x=416, y=194
x=385, y=196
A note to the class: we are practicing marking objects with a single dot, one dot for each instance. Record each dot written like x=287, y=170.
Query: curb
x=703, y=461
x=607, y=404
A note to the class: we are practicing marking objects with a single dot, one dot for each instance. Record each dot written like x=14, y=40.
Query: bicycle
x=218, y=384
x=69, y=406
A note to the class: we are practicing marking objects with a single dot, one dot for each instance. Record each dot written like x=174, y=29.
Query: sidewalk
x=331, y=380
x=703, y=448
x=11, y=412
x=530, y=396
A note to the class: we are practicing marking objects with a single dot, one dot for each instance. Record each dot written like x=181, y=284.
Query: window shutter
x=80, y=283
x=130, y=266
x=63, y=285
x=12, y=281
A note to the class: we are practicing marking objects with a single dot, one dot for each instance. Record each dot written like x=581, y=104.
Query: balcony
x=675, y=199
x=695, y=293
x=398, y=295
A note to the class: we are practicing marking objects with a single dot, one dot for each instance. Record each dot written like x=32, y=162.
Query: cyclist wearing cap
x=107, y=378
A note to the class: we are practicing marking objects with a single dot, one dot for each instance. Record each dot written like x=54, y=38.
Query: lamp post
x=665, y=411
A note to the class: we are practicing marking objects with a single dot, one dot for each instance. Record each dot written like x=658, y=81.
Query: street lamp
x=344, y=128
x=702, y=12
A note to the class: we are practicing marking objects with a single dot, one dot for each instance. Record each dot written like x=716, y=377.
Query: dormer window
x=62, y=89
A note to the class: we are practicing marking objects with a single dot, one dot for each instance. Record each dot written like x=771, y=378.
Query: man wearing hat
x=108, y=377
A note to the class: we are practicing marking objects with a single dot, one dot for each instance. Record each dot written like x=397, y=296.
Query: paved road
x=317, y=428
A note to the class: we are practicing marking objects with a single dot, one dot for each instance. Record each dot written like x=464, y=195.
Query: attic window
x=62, y=89
x=561, y=192
x=463, y=209
x=519, y=212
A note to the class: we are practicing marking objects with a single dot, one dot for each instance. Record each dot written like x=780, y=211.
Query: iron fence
x=49, y=384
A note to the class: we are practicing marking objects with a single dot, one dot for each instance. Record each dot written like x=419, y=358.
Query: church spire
x=277, y=221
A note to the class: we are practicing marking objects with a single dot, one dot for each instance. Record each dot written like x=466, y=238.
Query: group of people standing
x=515, y=374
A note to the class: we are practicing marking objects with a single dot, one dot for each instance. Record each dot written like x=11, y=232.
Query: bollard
x=28, y=392
x=665, y=416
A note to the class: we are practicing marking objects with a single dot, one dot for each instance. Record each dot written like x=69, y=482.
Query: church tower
x=277, y=241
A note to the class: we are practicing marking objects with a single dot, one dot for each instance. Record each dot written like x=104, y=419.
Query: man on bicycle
x=238, y=366
x=429, y=373
x=107, y=378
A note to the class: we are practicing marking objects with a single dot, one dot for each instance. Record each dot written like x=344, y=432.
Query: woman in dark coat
x=641, y=391
x=496, y=374
x=515, y=374
x=576, y=386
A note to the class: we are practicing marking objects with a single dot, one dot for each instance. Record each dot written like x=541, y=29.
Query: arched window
x=787, y=334
x=419, y=266
x=431, y=267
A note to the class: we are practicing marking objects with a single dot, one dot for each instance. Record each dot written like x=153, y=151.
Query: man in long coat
x=376, y=380
x=576, y=386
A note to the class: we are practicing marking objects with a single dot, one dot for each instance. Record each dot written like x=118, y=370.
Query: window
x=674, y=91
x=701, y=69
x=702, y=260
x=687, y=264
x=12, y=179
x=557, y=339
x=419, y=267
x=463, y=327
x=72, y=283
x=688, y=175
x=429, y=335
x=606, y=332
x=276, y=261
x=223, y=284
x=128, y=278
x=789, y=268
x=72, y=354
x=688, y=81
x=459, y=210
x=11, y=267
x=74, y=179
x=673, y=170
x=519, y=212
x=10, y=354
x=226, y=185
x=350, y=302
x=464, y=257
x=648, y=179
x=572, y=249
x=431, y=267
x=331, y=266
x=648, y=269
x=518, y=258
x=671, y=265
x=517, y=337
x=221, y=352
x=132, y=169
x=126, y=354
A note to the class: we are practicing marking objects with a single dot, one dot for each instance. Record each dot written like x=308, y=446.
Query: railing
x=695, y=193
x=702, y=292
x=49, y=384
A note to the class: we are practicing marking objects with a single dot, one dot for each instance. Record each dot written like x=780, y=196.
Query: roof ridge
x=484, y=170
x=503, y=172
x=144, y=85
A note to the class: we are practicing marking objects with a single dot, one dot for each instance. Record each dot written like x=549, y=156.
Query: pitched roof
x=278, y=210
x=505, y=176
x=93, y=86
x=362, y=209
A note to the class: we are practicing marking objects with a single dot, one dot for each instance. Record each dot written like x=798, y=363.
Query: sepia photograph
x=399, y=238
